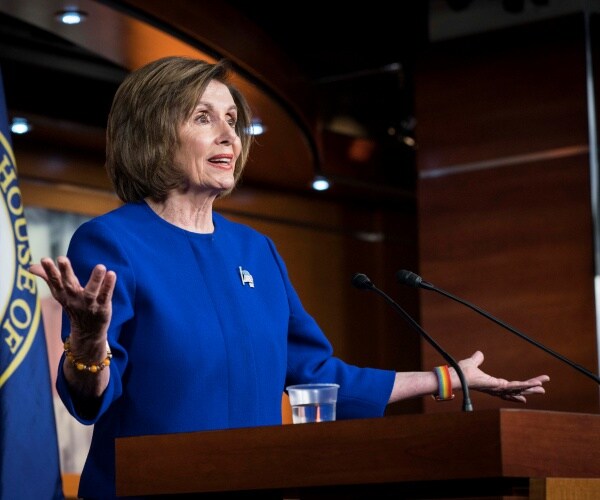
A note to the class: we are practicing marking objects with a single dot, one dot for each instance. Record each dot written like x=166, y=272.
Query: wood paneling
x=507, y=93
x=514, y=236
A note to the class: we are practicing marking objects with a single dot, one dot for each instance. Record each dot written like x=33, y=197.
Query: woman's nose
x=227, y=133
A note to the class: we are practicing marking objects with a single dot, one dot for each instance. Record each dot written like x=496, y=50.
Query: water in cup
x=301, y=414
x=313, y=402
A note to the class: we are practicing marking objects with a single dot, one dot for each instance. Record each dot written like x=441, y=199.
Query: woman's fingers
x=94, y=284
x=70, y=282
x=107, y=288
x=517, y=398
x=534, y=385
x=38, y=270
x=66, y=288
x=53, y=277
x=100, y=286
x=516, y=391
x=518, y=395
x=477, y=358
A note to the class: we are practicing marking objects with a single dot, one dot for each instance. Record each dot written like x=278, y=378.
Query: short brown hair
x=143, y=123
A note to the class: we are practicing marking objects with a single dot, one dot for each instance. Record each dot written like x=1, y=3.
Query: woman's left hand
x=514, y=390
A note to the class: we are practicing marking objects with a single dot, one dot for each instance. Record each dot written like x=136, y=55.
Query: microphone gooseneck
x=414, y=280
x=362, y=282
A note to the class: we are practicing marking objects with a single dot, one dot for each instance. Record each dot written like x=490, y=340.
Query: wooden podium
x=485, y=454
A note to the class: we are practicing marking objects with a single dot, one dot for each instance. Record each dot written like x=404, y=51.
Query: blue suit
x=206, y=332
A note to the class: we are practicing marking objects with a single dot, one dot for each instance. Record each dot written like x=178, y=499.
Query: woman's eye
x=203, y=118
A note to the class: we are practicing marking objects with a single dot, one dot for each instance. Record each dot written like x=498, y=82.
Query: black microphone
x=362, y=282
x=414, y=280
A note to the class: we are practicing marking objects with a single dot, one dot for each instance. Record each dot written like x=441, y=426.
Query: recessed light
x=256, y=127
x=20, y=125
x=320, y=183
x=71, y=16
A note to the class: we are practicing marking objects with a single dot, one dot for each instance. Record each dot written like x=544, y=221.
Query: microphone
x=411, y=279
x=362, y=282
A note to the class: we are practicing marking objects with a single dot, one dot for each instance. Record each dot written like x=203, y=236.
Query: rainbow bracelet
x=444, y=384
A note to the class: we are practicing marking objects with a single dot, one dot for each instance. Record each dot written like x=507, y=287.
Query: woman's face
x=208, y=144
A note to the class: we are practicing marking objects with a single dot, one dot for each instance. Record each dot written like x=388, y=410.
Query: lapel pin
x=246, y=277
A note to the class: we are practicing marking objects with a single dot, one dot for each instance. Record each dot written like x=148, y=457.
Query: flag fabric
x=29, y=458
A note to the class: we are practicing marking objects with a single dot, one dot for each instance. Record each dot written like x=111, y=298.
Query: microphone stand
x=411, y=279
x=362, y=282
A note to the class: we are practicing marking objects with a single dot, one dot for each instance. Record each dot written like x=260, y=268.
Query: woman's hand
x=89, y=308
x=508, y=390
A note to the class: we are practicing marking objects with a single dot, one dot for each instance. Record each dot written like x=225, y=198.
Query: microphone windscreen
x=361, y=281
x=409, y=278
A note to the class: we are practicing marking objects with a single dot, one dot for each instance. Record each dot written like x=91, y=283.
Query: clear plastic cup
x=313, y=402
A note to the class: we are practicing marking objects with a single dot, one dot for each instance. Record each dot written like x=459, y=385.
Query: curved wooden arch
x=134, y=32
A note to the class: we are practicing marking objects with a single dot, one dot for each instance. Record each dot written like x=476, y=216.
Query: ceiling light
x=409, y=141
x=256, y=127
x=20, y=126
x=71, y=16
x=347, y=125
x=320, y=183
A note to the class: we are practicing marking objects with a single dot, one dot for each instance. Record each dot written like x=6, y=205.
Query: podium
x=501, y=453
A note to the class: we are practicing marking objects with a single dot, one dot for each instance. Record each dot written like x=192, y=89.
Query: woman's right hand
x=89, y=308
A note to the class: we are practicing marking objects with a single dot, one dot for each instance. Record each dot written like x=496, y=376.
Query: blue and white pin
x=246, y=277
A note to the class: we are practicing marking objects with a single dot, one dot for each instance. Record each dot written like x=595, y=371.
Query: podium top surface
x=400, y=448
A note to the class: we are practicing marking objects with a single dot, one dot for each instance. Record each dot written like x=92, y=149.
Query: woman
x=188, y=321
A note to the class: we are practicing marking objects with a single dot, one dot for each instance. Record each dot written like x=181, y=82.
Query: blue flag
x=29, y=459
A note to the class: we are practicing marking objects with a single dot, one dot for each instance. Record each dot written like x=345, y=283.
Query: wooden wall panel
x=504, y=206
x=500, y=95
x=515, y=241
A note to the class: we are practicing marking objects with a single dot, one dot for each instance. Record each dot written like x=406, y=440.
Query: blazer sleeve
x=95, y=243
x=364, y=392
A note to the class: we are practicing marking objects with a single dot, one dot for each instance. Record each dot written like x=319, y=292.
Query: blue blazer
x=206, y=333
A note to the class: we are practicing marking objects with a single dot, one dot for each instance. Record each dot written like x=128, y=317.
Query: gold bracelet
x=80, y=365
